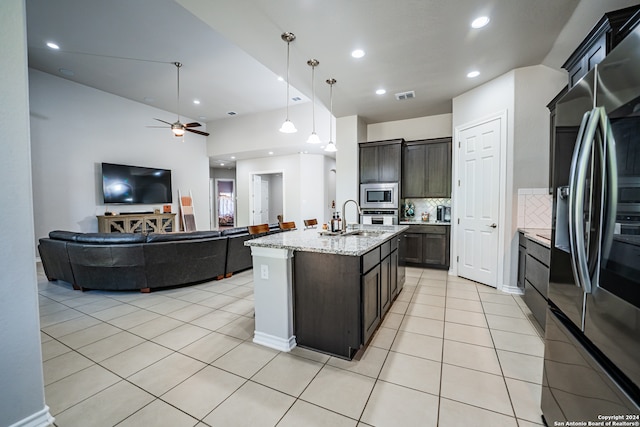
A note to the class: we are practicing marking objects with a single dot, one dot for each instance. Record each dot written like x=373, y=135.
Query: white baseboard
x=276, y=343
x=42, y=418
x=512, y=290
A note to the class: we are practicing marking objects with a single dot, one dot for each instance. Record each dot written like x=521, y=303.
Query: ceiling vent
x=405, y=95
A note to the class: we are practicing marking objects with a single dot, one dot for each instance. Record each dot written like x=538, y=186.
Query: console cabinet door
x=439, y=170
x=413, y=170
x=389, y=158
x=371, y=302
x=368, y=164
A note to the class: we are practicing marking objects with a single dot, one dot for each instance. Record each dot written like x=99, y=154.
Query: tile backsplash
x=428, y=205
x=534, y=208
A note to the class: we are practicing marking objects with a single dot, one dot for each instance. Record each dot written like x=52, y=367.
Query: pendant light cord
x=288, y=43
x=178, y=65
x=313, y=97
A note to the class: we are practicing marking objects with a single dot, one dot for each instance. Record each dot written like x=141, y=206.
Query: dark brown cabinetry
x=426, y=246
x=534, y=273
x=339, y=301
x=605, y=35
x=380, y=161
x=426, y=168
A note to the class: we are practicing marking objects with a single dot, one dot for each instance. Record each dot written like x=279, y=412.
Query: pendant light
x=331, y=146
x=287, y=126
x=313, y=138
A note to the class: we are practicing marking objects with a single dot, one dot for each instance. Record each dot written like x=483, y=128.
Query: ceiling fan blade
x=197, y=131
x=162, y=121
x=192, y=125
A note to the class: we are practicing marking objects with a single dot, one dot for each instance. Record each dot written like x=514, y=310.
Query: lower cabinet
x=533, y=276
x=339, y=301
x=426, y=246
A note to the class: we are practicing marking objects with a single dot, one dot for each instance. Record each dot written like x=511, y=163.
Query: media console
x=137, y=223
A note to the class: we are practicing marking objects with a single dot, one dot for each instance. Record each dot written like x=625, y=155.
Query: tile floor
x=449, y=353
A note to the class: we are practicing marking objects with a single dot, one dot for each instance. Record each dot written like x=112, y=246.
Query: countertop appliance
x=592, y=336
x=379, y=217
x=380, y=195
x=443, y=213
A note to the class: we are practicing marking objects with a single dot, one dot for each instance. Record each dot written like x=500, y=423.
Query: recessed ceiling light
x=65, y=72
x=381, y=92
x=53, y=45
x=358, y=53
x=280, y=79
x=271, y=153
x=480, y=22
x=196, y=101
x=221, y=164
x=233, y=157
x=473, y=74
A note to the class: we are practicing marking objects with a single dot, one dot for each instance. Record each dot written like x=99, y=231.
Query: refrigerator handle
x=611, y=186
x=579, y=182
x=576, y=192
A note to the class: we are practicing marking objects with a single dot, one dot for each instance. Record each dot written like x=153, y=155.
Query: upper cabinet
x=426, y=168
x=380, y=161
x=607, y=34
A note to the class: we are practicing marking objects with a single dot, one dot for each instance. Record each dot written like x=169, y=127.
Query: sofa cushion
x=170, y=237
x=111, y=238
x=64, y=235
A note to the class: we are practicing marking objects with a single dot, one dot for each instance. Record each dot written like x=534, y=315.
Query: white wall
x=350, y=130
x=523, y=94
x=438, y=126
x=75, y=128
x=22, y=392
x=303, y=187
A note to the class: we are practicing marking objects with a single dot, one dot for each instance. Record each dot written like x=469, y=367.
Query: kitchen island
x=326, y=293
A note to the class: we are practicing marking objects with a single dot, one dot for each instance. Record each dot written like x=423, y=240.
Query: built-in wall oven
x=380, y=195
x=380, y=217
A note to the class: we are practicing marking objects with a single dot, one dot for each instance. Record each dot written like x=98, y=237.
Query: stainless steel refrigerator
x=592, y=336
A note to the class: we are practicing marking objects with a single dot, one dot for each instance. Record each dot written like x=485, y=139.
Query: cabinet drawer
x=394, y=243
x=538, y=251
x=385, y=249
x=522, y=241
x=370, y=259
x=428, y=229
x=537, y=274
x=536, y=303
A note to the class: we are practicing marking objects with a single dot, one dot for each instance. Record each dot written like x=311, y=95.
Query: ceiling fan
x=178, y=128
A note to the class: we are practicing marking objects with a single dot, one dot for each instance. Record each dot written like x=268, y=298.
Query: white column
x=273, y=295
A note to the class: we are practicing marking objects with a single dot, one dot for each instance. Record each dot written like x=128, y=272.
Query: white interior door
x=479, y=192
x=257, y=200
x=264, y=202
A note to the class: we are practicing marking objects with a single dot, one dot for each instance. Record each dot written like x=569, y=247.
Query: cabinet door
x=368, y=164
x=413, y=171
x=412, y=247
x=385, y=285
x=370, y=302
x=389, y=162
x=522, y=259
x=393, y=275
x=434, y=249
x=438, y=179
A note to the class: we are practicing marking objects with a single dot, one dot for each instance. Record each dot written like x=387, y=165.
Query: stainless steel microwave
x=379, y=195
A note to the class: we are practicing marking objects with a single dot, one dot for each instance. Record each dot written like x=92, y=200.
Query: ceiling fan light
x=288, y=127
x=177, y=130
x=331, y=147
x=314, y=139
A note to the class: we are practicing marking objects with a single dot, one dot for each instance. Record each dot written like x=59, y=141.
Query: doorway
x=267, y=200
x=478, y=199
x=224, y=203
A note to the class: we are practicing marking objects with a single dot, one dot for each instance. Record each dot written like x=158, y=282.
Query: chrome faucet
x=344, y=214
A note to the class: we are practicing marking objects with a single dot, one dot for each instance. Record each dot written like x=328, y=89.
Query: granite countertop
x=311, y=240
x=405, y=221
x=538, y=235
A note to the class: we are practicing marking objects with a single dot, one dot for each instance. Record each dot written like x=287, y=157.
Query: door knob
x=494, y=225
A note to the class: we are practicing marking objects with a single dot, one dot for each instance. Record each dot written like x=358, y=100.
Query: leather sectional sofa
x=127, y=261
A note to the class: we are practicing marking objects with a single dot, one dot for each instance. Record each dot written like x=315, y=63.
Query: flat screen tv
x=135, y=184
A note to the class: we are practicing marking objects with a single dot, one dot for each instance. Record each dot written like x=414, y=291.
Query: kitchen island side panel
x=327, y=302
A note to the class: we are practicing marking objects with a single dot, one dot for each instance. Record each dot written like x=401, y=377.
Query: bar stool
x=258, y=229
x=291, y=225
x=310, y=223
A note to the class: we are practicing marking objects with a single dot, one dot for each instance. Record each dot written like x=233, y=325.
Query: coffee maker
x=443, y=213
